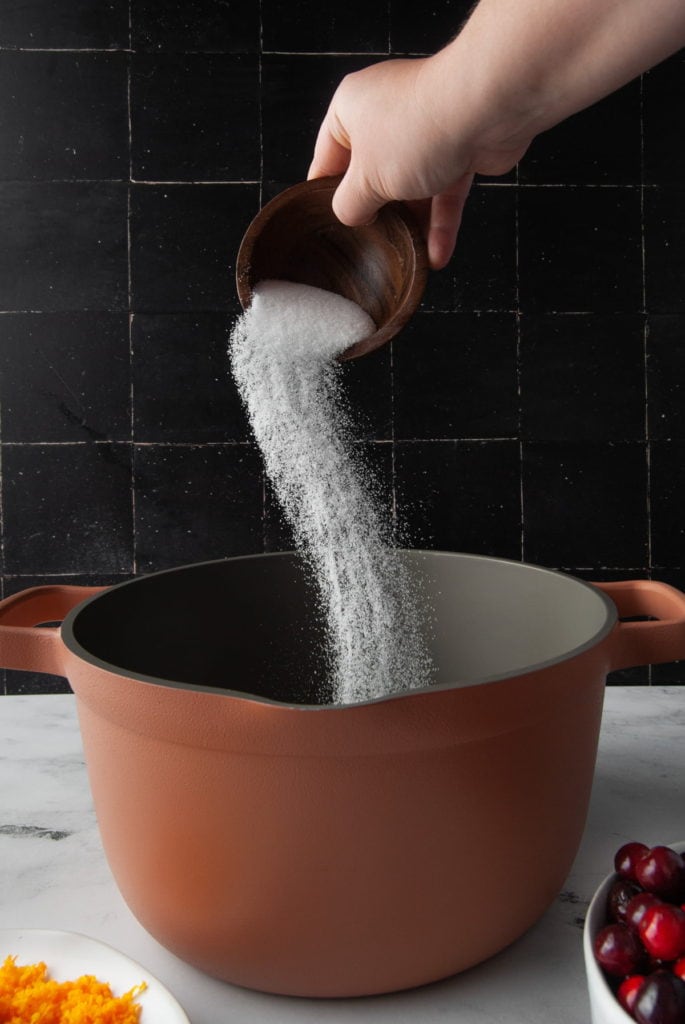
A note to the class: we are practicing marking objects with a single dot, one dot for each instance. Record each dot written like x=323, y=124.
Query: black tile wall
x=195, y=503
x=664, y=144
x=295, y=93
x=532, y=409
x=439, y=22
x=183, y=244
x=460, y=495
x=455, y=376
x=358, y=26
x=600, y=146
x=585, y=503
x=664, y=229
x=63, y=118
x=666, y=377
x=582, y=377
x=168, y=350
x=65, y=24
x=203, y=26
x=67, y=508
x=580, y=249
x=64, y=246
x=64, y=377
x=193, y=117
x=484, y=266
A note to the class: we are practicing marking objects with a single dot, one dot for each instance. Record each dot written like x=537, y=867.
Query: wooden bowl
x=380, y=266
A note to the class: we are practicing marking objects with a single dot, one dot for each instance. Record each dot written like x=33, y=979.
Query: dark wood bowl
x=381, y=266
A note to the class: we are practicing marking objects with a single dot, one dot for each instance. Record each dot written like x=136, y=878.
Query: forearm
x=527, y=64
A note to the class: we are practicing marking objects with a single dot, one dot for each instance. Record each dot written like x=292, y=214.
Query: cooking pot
x=312, y=849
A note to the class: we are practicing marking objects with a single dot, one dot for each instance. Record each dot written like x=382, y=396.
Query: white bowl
x=604, y=1005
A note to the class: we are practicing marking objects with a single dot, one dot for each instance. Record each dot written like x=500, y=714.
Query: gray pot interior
x=251, y=624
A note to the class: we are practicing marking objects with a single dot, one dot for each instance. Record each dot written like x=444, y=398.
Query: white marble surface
x=53, y=873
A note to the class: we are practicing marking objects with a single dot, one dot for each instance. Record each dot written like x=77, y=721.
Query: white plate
x=68, y=955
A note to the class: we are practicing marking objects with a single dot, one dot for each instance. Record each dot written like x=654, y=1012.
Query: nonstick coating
x=253, y=624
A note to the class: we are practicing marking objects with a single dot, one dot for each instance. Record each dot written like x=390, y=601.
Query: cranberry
x=638, y=906
x=662, y=930
x=618, y=950
x=628, y=990
x=627, y=857
x=662, y=871
x=679, y=968
x=620, y=895
x=660, y=1000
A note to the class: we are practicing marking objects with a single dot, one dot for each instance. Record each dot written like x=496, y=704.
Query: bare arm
x=419, y=130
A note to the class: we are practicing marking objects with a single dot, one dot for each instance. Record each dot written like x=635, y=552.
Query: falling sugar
x=283, y=354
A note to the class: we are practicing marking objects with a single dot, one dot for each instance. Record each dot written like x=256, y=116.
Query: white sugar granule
x=283, y=354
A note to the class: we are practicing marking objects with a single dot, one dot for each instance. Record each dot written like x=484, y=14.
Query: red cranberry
x=679, y=968
x=620, y=895
x=662, y=930
x=628, y=990
x=662, y=871
x=660, y=1000
x=627, y=857
x=638, y=906
x=618, y=950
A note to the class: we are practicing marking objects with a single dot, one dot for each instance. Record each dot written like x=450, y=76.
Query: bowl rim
x=596, y=919
x=403, y=216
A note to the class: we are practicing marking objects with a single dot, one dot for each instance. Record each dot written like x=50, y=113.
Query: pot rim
x=74, y=647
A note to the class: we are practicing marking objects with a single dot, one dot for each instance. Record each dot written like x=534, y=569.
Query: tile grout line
x=130, y=288
x=517, y=303
x=260, y=81
x=645, y=331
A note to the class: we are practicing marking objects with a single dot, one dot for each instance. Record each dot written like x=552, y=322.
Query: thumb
x=354, y=202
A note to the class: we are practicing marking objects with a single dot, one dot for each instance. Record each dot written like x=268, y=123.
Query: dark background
x=534, y=408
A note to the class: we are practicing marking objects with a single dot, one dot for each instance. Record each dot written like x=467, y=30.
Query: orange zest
x=29, y=996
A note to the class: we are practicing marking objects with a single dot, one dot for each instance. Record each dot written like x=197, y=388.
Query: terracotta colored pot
x=335, y=851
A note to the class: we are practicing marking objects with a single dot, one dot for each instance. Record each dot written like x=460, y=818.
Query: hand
x=386, y=131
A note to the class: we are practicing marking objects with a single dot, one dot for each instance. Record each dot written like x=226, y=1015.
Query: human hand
x=390, y=132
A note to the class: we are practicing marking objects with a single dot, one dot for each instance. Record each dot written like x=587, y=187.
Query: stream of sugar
x=283, y=354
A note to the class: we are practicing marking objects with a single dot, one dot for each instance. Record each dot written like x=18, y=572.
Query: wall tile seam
x=523, y=186
x=207, y=52
x=264, y=523
x=129, y=261
x=65, y=49
x=127, y=443
x=131, y=181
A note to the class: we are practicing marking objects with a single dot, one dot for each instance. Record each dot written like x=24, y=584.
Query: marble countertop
x=53, y=873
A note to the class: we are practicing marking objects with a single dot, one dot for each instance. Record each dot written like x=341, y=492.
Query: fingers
x=351, y=204
x=331, y=157
x=445, y=219
x=354, y=203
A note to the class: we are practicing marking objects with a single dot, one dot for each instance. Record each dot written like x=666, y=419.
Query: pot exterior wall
x=360, y=870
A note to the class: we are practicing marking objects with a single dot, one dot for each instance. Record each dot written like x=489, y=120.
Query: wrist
x=491, y=115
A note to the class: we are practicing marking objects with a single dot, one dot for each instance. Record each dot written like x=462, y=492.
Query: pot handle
x=646, y=643
x=31, y=648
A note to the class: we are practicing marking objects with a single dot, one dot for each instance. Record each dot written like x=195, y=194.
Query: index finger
x=330, y=156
